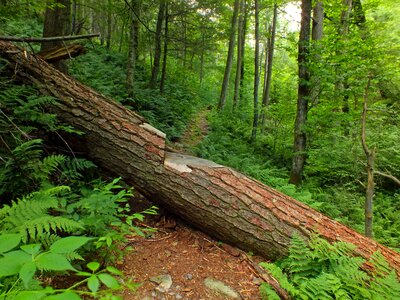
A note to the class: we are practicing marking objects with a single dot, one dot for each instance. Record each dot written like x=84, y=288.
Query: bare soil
x=188, y=256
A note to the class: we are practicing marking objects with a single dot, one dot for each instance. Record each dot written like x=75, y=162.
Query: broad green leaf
x=109, y=281
x=31, y=295
x=27, y=272
x=114, y=270
x=69, y=295
x=31, y=248
x=53, y=262
x=69, y=244
x=93, y=266
x=93, y=283
x=12, y=262
x=9, y=241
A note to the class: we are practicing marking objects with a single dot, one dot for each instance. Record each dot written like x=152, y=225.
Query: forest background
x=312, y=109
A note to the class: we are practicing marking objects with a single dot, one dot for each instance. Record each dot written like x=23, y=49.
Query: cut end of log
x=182, y=162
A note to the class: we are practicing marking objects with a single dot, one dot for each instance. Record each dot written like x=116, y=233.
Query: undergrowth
x=54, y=217
x=320, y=270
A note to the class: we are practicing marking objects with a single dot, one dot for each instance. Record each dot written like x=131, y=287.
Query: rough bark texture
x=300, y=138
x=157, y=50
x=217, y=199
x=256, y=71
x=229, y=59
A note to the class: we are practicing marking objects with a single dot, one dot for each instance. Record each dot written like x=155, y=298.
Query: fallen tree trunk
x=61, y=52
x=217, y=199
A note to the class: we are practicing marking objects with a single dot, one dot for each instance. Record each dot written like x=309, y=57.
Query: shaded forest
x=302, y=96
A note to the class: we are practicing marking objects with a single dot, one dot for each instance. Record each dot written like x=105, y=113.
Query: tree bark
x=370, y=155
x=256, y=72
x=132, y=52
x=316, y=35
x=299, y=148
x=239, y=56
x=157, y=50
x=214, y=198
x=229, y=59
x=57, y=23
x=165, y=54
x=269, y=63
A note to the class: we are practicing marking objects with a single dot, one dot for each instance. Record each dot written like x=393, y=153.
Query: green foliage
x=28, y=260
x=320, y=270
x=25, y=170
x=31, y=217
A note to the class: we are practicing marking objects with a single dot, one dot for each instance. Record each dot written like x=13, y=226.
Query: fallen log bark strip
x=61, y=52
x=217, y=199
x=47, y=39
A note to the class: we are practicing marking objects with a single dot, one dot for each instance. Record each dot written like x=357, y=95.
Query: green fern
x=31, y=218
x=320, y=270
x=25, y=171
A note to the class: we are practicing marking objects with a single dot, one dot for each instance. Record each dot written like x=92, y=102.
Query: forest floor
x=180, y=262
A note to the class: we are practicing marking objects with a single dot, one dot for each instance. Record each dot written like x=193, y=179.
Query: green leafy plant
x=27, y=260
x=320, y=270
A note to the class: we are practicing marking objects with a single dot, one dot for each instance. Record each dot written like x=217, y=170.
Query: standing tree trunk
x=165, y=54
x=239, y=57
x=256, y=72
x=202, y=56
x=243, y=40
x=57, y=23
x=157, y=50
x=300, y=136
x=109, y=25
x=370, y=155
x=214, y=198
x=317, y=32
x=229, y=59
x=269, y=63
x=132, y=52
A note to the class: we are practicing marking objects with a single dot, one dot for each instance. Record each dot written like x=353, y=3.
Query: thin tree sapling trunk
x=269, y=64
x=256, y=71
x=300, y=136
x=157, y=50
x=229, y=59
x=165, y=54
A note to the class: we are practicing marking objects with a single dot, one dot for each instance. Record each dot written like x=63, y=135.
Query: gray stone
x=188, y=276
x=220, y=287
x=164, y=282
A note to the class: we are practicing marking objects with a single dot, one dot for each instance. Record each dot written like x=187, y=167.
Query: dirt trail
x=184, y=258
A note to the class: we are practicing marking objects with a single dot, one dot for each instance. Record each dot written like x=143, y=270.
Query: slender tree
x=229, y=59
x=165, y=57
x=316, y=35
x=256, y=71
x=109, y=25
x=300, y=137
x=157, y=50
x=134, y=8
x=239, y=54
x=268, y=65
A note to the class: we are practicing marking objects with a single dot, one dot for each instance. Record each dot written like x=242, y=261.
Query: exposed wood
x=48, y=39
x=62, y=52
x=222, y=202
